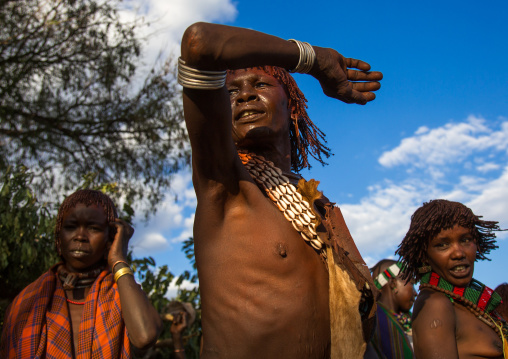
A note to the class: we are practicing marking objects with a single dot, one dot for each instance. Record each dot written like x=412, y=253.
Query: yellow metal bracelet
x=123, y=271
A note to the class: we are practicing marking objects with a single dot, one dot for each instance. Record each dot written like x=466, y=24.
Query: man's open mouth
x=249, y=115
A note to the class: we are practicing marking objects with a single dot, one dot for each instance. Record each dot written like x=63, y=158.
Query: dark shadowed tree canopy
x=69, y=104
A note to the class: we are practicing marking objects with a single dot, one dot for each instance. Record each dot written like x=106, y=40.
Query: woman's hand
x=179, y=324
x=120, y=245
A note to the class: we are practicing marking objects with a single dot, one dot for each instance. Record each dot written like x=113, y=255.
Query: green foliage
x=155, y=282
x=191, y=296
x=27, y=246
x=71, y=101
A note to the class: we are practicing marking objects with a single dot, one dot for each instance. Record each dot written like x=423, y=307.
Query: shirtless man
x=265, y=291
x=454, y=315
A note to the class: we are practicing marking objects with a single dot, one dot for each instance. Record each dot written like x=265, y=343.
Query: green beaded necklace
x=477, y=297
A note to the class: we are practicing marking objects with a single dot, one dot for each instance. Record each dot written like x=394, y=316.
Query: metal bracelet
x=198, y=79
x=307, y=57
x=121, y=272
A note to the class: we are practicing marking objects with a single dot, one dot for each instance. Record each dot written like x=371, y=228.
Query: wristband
x=123, y=271
x=307, y=57
x=114, y=264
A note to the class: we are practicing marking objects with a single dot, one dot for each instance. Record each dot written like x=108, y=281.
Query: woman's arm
x=177, y=327
x=142, y=321
x=434, y=327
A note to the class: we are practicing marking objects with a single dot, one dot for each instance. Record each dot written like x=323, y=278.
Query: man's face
x=84, y=237
x=259, y=106
x=451, y=254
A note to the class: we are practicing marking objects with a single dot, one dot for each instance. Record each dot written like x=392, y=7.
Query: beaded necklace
x=477, y=297
x=404, y=320
x=286, y=197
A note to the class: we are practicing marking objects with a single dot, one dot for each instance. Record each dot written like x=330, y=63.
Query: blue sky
x=438, y=128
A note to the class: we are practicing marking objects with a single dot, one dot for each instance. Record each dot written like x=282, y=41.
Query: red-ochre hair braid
x=433, y=217
x=87, y=197
x=305, y=137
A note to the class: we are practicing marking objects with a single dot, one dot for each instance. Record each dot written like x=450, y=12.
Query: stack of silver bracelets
x=193, y=78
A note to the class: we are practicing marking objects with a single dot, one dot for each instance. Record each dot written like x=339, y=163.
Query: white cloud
x=379, y=222
x=173, y=220
x=488, y=166
x=168, y=20
x=149, y=243
x=449, y=144
x=173, y=289
x=187, y=230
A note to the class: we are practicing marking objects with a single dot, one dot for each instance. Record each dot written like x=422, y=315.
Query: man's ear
x=294, y=115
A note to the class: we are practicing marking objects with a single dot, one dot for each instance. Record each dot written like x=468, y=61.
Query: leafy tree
x=192, y=296
x=155, y=282
x=27, y=246
x=67, y=100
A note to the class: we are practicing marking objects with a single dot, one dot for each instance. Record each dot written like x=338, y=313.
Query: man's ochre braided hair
x=306, y=138
x=432, y=218
x=87, y=197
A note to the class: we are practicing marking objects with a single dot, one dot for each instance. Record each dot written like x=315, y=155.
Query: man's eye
x=232, y=92
x=261, y=84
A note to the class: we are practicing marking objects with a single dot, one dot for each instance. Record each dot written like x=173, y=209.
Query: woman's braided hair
x=87, y=197
x=305, y=137
x=433, y=217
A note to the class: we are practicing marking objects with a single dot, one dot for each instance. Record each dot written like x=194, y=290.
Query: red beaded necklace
x=73, y=302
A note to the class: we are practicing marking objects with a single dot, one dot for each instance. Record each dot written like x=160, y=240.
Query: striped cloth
x=389, y=339
x=37, y=322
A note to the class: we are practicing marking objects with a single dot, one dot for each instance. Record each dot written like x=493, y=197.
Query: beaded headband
x=384, y=277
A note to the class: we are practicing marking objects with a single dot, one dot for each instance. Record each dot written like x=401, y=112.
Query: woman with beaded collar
x=454, y=315
x=89, y=305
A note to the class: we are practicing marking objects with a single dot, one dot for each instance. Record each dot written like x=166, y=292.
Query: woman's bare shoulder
x=429, y=300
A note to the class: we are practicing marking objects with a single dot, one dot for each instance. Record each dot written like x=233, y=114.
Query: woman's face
x=404, y=295
x=452, y=253
x=84, y=237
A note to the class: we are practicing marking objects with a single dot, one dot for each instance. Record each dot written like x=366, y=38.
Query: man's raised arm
x=215, y=48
